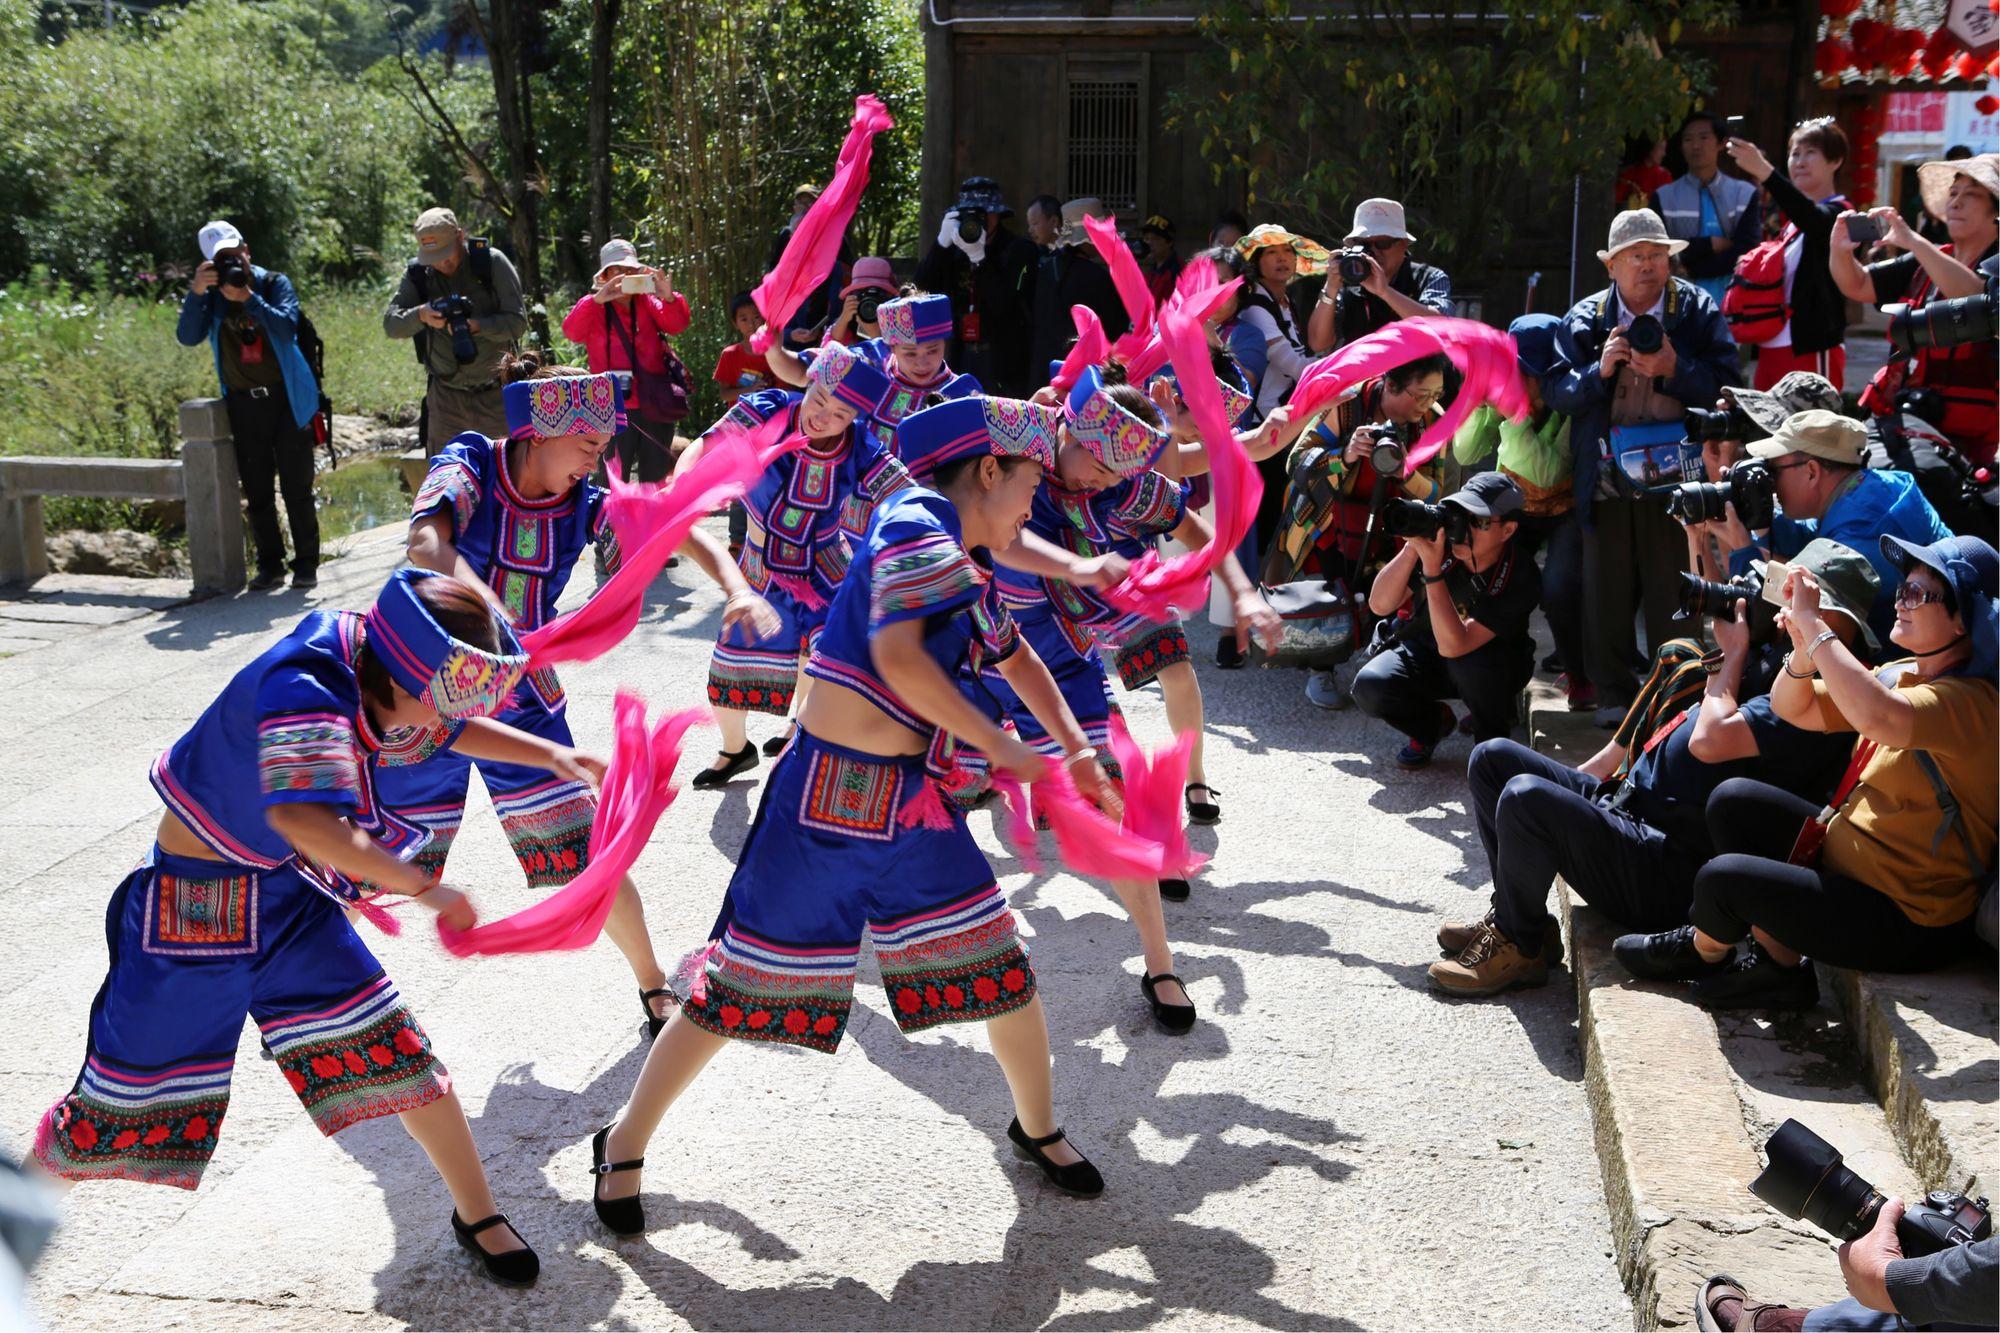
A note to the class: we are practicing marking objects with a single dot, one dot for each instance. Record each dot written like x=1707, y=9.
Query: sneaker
x=1417, y=754
x=305, y=579
x=1455, y=936
x=1582, y=695
x=1227, y=655
x=1669, y=955
x=1324, y=690
x=1759, y=981
x=1490, y=964
x=267, y=579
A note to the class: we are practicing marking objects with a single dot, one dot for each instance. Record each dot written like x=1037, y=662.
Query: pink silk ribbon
x=638, y=788
x=1154, y=785
x=1088, y=841
x=1133, y=293
x=651, y=523
x=1199, y=293
x=815, y=243
x=1089, y=350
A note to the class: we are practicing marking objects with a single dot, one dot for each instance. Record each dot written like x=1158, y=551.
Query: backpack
x=479, y=253
x=1754, y=303
x=313, y=348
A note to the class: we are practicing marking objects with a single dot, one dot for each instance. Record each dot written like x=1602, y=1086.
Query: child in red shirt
x=739, y=370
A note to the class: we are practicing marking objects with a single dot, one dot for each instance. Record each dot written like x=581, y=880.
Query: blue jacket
x=275, y=307
x=1704, y=352
x=1871, y=504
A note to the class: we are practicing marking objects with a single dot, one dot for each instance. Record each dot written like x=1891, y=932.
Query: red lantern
x=1831, y=57
x=1970, y=67
x=1870, y=43
x=1838, y=9
x=1940, y=53
x=1987, y=105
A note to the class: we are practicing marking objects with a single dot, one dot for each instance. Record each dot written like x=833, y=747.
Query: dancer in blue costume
x=806, y=514
x=512, y=517
x=916, y=334
x=276, y=821
x=851, y=834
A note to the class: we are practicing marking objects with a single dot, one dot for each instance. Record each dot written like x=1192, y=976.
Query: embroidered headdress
x=1112, y=435
x=560, y=405
x=1235, y=402
x=847, y=376
x=974, y=427
x=910, y=320
x=454, y=677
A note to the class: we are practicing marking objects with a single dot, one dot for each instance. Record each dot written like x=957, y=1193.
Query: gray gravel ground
x=1332, y=1148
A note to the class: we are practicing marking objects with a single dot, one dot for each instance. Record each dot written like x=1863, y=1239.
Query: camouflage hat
x=1847, y=582
x=1798, y=391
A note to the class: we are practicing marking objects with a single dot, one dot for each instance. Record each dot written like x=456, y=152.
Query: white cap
x=1378, y=217
x=218, y=235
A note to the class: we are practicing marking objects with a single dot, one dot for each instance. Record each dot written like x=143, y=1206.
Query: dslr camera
x=231, y=269
x=457, y=310
x=1733, y=423
x=1748, y=484
x=1645, y=335
x=1805, y=1179
x=1391, y=447
x=1354, y=265
x=971, y=223
x=1945, y=324
x=1404, y=517
x=1705, y=597
x=867, y=302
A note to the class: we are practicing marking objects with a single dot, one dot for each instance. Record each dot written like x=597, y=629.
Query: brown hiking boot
x=1455, y=936
x=1490, y=964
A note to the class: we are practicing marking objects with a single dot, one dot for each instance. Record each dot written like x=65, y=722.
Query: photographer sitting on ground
x=1631, y=848
x=1381, y=285
x=1815, y=462
x=1625, y=404
x=460, y=299
x=1469, y=593
x=1892, y=880
x=1956, y=1287
x=250, y=316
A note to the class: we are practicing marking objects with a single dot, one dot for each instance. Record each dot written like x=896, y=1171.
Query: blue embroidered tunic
x=1090, y=523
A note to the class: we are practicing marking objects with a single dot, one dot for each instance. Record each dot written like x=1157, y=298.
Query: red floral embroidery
x=731, y=1016
x=126, y=1138
x=84, y=1135
x=157, y=1134
x=825, y=1024
x=296, y=1079
x=931, y=997
x=196, y=1130
x=796, y=1021
x=381, y=1055
x=985, y=989
x=760, y=1020
x=408, y=1042
x=954, y=996
x=355, y=1064
x=326, y=1066
x=1013, y=979
x=908, y=1000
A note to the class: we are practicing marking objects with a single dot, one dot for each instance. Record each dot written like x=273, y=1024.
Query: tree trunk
x=603, y=34
x=507, y=52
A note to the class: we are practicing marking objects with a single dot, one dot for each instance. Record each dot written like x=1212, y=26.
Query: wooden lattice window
x=1106, y=140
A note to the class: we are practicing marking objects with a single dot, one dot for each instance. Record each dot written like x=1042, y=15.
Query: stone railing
x=204, y=478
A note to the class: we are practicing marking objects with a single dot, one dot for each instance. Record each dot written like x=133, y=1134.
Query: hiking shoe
x=1668, y=955
x=267, y=579
x=1454, y=936
x=1490, y=964
x=1324, y=690
x=1759, y=981
x=1723, y=1307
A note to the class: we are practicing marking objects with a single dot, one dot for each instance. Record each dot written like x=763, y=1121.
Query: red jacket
x=657, y=320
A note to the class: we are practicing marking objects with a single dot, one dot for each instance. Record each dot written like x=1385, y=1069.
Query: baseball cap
x=1489, y=495
x=1816, y=433
x=217, y=235
x=1847, y=582
x=1160, y=223
x=437, y=234
x=1798, y=391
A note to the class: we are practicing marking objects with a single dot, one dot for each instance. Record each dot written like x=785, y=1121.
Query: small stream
x=361, y=494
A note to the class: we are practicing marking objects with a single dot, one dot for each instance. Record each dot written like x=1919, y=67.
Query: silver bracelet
x=1087, y=752
x=1812, y=649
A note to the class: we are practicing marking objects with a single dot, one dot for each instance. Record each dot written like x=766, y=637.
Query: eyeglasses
x=1910, y=596
x=1483, y=524
x=1381, y=243
x=1423, y=398
x=1786, y=467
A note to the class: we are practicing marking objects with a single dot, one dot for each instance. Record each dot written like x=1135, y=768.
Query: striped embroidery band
x=307, y=752
x=914, y=576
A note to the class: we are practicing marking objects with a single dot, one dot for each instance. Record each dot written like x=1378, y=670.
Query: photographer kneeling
x=460, y=300
x=1466, y=635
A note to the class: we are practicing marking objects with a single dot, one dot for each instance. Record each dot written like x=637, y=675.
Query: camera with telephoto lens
x=1354, y=265
x=231, y=270
x=1748, y=485
x=1404, y=517
x=867, y=302
x=1944, y=324
x=1805, y=1179
x=1645, y=335
x=971, y=223
x=457, y=310
x=1733, y=423
x=1705, y=597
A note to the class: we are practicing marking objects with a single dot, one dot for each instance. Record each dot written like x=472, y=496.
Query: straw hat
x=1934, y=179
x=1311, y=254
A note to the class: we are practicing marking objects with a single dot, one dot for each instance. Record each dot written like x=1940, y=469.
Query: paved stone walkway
x=1334, y=1148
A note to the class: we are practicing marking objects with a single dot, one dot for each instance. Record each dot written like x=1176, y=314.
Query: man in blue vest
x=1715, y=214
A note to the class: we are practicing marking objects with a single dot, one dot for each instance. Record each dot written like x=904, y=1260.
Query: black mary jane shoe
x=776, y=745
x=1079, y=1178
x=516, y=1268
x=1201, y=812
x=742, y=761
x=624, y=1217
x=1172, y=1017
x=654, y=1022
x=1174, y=890
x=1227, y=655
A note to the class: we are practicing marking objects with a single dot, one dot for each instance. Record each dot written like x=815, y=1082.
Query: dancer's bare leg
x=1021, y=1045
x=440, y=1129
x=1182, y=691
x=1142, y=904
x=680, y=1052
x=627, y=928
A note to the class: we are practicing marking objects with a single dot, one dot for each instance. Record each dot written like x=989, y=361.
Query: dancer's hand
x=1254, y=616
x=454, y=909
x=578, y=767
x=753, y=614
x=1017, y=761
x=1095, y=787
x=1100, y=571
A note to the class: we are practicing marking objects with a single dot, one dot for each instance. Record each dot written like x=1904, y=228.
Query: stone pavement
x=1332, y=1148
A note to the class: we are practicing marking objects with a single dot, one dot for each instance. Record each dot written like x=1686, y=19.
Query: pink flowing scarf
x=1198, y=293
x=1153, y=588
x=1133, y=293
x=1484, y=355
x=1154, y=785
x=638, y=788
x=651, y=523
x=1087, y=840
x=1089, y=350
x=815, y=243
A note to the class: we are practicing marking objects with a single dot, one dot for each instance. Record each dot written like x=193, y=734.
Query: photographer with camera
x=460, y=301
x=1887, y=875
x=979, y=263
x=1630, y=361
x=1812, y=466
x=1802, y=324
x=624, y=323
x=1631, y=844
x=1463, y=593
x=1071, y=273
x=1378, y=283
x=250, y=317
x=859, y=321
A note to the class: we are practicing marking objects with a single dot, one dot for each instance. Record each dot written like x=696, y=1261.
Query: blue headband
x=974, y=427
x=455, y=678
x=559, y=405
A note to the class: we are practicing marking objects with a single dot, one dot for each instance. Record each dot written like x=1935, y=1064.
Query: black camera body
x=971, y=223
x=1353, y=264
x=456, y=310
x=232, y=270
x=1404, y=517
x=1645, y=335
x=1747, y=484
x=1391, y=448
x=1941, y=325
x=1732, y=423
x=1805, y=1179
x=1705, y=597
x=868, y=302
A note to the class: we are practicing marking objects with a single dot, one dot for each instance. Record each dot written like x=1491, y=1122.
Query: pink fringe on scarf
x=801, y=590
x=1153, y=588
x=376, y=915
x=815, y=244
x=1154, y=785
x=1133, y=293
x=1089, y=350
x=651, y=523
x=1484, y=355
x=638, y=788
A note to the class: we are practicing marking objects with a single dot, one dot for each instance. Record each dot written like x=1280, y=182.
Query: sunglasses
x=1381, y=243
x=1910, y=596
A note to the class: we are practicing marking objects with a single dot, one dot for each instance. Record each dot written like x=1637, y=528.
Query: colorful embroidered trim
x=400, y=747
x=458, y=679
x=155, y=1126
x=1153, y=504
x=866, y=685
x=751, y=680
x=1141, y=660
x=361, y=1058
x=959, y=963
x=975, y=427
x=1112, y=435
x=451, y=486
x=548, y=827
x=922, y=576
x=211, y=917
x=910, y=320
x=564, y=405
x=851, y=796
x=760, y=990
x=309, y=752
x=847, y=376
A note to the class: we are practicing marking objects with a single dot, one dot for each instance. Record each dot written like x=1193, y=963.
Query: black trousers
x=1560, y=538
x=1632, y=558
x=644, y=449
x=1537, y=820
x=1404, y=684
x=1825, y=916
x=271, y=448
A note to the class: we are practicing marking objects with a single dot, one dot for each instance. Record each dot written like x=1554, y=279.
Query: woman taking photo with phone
x=623, y=323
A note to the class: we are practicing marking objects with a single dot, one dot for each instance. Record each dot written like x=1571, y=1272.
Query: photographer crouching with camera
x=1374, y=282
x=250, y=316
x=1469, y=593
x=460, y=300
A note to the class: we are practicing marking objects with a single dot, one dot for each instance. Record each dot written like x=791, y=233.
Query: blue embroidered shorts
x=827, y=859
x=195, y=946
x=761, y=677
x=1079, y=675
